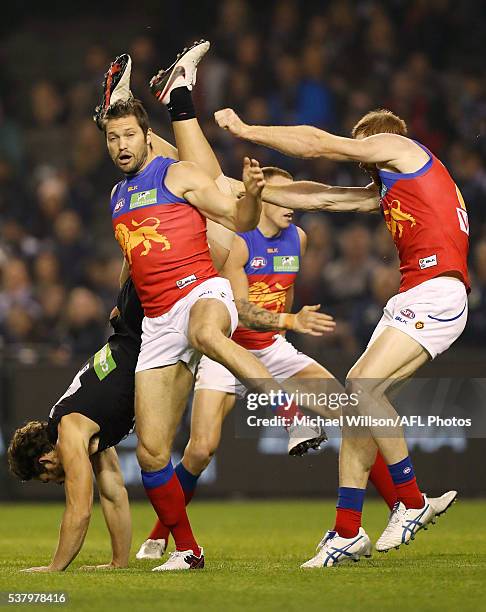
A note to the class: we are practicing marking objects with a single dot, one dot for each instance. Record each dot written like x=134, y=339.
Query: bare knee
x=198, y=455
x=205, y=339
x=151, y=459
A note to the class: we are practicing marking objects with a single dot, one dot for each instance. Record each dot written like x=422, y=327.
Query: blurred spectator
x=83, y=324
x=384, y=283
x=72, y=246
x=286, y=62
x=347, y=276
x=16, y=289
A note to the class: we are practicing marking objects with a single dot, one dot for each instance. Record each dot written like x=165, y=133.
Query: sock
x=405, y=482
x=180, y=106
x=188, y=483
x=279, y=407
x=382, y=480
x=348, y=511
x=165, y=492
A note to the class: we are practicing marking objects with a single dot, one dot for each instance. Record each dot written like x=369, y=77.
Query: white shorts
x=281, y=359
x=164, y=338
x=433, y=313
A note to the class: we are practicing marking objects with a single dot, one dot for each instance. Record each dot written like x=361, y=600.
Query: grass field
x=253, y=552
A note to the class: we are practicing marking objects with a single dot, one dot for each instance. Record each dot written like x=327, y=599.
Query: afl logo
x=119, y=205
x=406, y=312
x=258, y=262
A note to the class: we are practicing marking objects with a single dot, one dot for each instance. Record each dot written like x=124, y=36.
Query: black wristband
x=180, y=106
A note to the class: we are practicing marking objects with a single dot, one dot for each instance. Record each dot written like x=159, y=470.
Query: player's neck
x=268, y=228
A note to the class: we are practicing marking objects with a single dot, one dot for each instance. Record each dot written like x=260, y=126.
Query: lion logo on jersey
x=395, y=217
x=144, y=234
x=260, y=294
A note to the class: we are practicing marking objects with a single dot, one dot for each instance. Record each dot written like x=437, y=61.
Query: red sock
x=292, y=411
x=347, y=523
x=381, y=478
x=409, y=494
x=161, y=531
x=169, y=504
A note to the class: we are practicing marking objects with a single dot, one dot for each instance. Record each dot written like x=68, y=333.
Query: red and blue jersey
x=162, y=237
x=427, y=218
x=271, y=269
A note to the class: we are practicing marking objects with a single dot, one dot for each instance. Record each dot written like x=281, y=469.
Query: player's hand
x=229, y=120
x=44, y=568
x=309, y=321
x=253, y=177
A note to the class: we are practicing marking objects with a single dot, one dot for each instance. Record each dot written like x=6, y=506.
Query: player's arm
x=310, y=142
x=74, y=433
x=237, y=214
x=310, y=196
x=115, y=506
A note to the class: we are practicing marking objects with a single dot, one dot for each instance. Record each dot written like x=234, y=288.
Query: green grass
x=253, y=553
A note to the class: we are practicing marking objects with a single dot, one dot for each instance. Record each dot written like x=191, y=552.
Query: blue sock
x=188, y=481
x=402, y=471
x=152, y=480
x=350, y=498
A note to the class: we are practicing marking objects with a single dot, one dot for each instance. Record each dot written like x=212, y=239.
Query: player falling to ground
x=92, y=416
x=427, y=218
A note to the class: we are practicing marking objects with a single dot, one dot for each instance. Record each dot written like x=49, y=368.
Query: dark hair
x=127, y=108
x=271, y=171
x=28, y=444
x=380, y=121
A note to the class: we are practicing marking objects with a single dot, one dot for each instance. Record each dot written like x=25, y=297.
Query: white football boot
x=182, y=73
x=441, y=504
x=403, y=525
x=302, y=438
x=152, y=549
x=181, y=560
x=116, y=86
x=334, y=549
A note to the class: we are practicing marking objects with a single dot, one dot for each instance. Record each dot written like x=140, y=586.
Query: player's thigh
x=392, y=355
x=314, y=371
x=160, y=399
x=209, y=409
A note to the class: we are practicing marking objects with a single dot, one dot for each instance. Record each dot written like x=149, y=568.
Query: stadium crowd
x=285, y=63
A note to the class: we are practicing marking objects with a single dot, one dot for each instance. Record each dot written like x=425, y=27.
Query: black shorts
x=104, y=391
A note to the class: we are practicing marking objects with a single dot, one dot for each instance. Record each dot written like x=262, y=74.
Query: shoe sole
x=424, y=528
x=301, y=449
x=169, y=73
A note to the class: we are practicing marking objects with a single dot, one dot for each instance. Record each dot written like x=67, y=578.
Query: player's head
x=31, y=455
x=128, y=134
x=280, y=217
x=379, y=121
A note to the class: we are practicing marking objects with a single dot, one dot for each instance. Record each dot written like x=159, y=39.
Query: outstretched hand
x=229, y=120
x=309, y=321
x=253, y=178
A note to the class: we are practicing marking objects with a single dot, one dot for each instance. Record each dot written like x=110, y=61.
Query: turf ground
x=253, y=552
